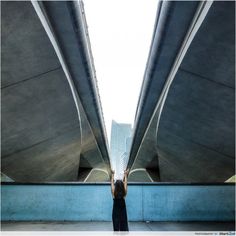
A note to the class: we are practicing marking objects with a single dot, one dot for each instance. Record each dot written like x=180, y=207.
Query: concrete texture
x=73, y=38
x=195, y=139
x=140, y=175
x=93, y=202
x=231, y=179
x=44, y=137
x=107, y=226
x=5, y=178
x=25, y=46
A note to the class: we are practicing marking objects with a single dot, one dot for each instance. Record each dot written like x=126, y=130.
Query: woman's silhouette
x=119, y=214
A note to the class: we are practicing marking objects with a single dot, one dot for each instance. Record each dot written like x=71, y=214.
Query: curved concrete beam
x=181, y=120
x=69, y=37
x=164, y=11
x=97, y=175
x=139, y=175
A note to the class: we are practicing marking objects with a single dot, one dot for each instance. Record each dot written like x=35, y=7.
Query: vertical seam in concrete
x=52, y=207
x=142, y=204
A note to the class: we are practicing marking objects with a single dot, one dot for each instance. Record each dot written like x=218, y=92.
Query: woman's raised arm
x=125, y=180
x=112, y=183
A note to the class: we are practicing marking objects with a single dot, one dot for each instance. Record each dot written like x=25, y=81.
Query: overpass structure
x=53, y=133
x=52, y=121
x=185, y=120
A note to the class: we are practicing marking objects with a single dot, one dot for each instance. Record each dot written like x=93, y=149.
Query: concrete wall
x=93, y=202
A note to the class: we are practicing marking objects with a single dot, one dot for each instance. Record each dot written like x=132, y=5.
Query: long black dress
x=119, y=215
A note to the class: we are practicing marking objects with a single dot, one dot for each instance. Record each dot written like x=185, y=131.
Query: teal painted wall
x=93, y=202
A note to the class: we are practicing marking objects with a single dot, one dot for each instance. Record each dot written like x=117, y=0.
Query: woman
x=119, y=214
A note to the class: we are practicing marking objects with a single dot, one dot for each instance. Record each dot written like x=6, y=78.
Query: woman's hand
x=112, y=172
x=126, y=172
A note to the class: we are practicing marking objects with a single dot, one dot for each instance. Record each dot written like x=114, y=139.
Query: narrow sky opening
x=120, y=33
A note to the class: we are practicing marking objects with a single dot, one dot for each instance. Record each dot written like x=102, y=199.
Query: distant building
x=123, y=161
x=128, y=144
x=119, y=146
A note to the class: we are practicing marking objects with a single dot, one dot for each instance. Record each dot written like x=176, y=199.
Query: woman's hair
x=119, y=189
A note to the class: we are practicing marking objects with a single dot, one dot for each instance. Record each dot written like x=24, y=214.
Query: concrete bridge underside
x=52, y=122
x=52, y=130
x=185, y=127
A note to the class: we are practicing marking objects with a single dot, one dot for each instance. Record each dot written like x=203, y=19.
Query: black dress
x=119, y=215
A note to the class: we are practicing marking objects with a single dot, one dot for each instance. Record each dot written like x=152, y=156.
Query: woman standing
x=119, y=214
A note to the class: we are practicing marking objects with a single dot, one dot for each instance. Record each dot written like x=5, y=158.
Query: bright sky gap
x=120, y=33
